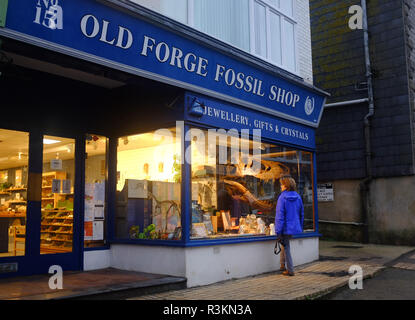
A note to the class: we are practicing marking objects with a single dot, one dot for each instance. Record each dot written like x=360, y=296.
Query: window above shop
x=264, y=28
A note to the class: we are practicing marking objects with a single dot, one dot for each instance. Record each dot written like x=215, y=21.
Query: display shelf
x=56, y=227
x=15, y=190
x=18, y=201
x=53, y=249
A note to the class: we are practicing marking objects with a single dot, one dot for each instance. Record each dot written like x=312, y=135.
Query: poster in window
x=99, y=212
x=99, y=193
x=56, y=186
x=88, y=226
x=98, y=230
x=66, y=186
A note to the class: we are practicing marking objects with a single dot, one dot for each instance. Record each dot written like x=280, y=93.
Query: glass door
x=57, y=206
x=14, y=159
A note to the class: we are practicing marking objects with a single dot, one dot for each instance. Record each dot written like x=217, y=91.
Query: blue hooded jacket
x=289, y=216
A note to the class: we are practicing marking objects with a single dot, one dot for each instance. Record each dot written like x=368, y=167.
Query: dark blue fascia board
x=264, y=139
x=215, y=242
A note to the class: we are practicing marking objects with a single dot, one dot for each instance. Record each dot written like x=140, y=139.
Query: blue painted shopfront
x=218, y=91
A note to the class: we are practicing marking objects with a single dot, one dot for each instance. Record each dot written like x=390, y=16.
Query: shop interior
x=57, y=192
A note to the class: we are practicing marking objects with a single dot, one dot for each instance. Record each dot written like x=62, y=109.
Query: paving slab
x=311, y=281
x=102, y=283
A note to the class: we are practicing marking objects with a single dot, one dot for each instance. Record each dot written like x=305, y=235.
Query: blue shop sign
x=93, y=31
x=226, y=116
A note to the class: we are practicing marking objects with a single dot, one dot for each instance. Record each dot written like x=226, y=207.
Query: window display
x=149, y=186
x=232, y=197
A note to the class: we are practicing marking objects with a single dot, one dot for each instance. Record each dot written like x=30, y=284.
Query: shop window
x=56, y=234
x=149, y=186
x=14, y=152
x=235, y=185
x=95, y=191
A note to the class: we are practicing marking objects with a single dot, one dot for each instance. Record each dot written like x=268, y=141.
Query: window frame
x=269, y=7
x=300, y=150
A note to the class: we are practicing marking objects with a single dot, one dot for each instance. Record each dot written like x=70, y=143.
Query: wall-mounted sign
x=229, y=116
x=56, y=164
x=99, y=33
x=8, y=267
x=325, y=192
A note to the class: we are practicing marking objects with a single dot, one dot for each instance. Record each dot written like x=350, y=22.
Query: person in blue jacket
x=289, y=219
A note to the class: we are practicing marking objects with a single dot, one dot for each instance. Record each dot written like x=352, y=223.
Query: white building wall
x=302, y=17
x=99, y=259
x=305, y=62
x=202, y=265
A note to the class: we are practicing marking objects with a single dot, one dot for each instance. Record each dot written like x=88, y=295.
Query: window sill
x=208, y=242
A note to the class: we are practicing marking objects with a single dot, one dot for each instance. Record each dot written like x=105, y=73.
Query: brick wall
x=338, y=61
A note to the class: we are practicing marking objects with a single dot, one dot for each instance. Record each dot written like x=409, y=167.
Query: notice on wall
x=325, y=192
x=56, y=186
x=56, y=164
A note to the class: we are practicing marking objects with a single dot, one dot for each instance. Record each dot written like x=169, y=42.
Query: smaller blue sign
x=227, y=116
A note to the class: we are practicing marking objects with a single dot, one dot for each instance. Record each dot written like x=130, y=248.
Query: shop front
x=169, y=162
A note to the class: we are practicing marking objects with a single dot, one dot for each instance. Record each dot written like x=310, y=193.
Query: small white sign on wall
x=56, y=164
x=325, y=192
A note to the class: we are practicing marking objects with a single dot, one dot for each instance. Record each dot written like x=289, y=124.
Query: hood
x=291, y=195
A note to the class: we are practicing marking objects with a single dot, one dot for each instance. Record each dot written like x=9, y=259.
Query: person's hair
x=288, y=183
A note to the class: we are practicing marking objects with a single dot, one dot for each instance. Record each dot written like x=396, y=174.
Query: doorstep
x=101, y=284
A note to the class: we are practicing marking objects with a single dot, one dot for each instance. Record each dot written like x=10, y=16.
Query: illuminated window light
x=50, y=141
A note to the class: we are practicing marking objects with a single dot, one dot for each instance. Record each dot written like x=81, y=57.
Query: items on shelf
x=57, y=214
x=56, y=231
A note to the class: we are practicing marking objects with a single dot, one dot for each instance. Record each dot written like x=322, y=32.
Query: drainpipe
x=365, y=184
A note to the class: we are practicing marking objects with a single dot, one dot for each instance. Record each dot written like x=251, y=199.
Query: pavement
x=395, y=282
x=315, y=280
x=322, y=279
x=98, y=284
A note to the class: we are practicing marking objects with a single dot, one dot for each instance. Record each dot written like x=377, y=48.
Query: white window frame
x=269, y=7
x=283, y=16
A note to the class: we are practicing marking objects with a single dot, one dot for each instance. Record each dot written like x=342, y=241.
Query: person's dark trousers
x=285, y=254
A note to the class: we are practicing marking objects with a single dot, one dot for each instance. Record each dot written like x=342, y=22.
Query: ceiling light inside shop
x=50, y=141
